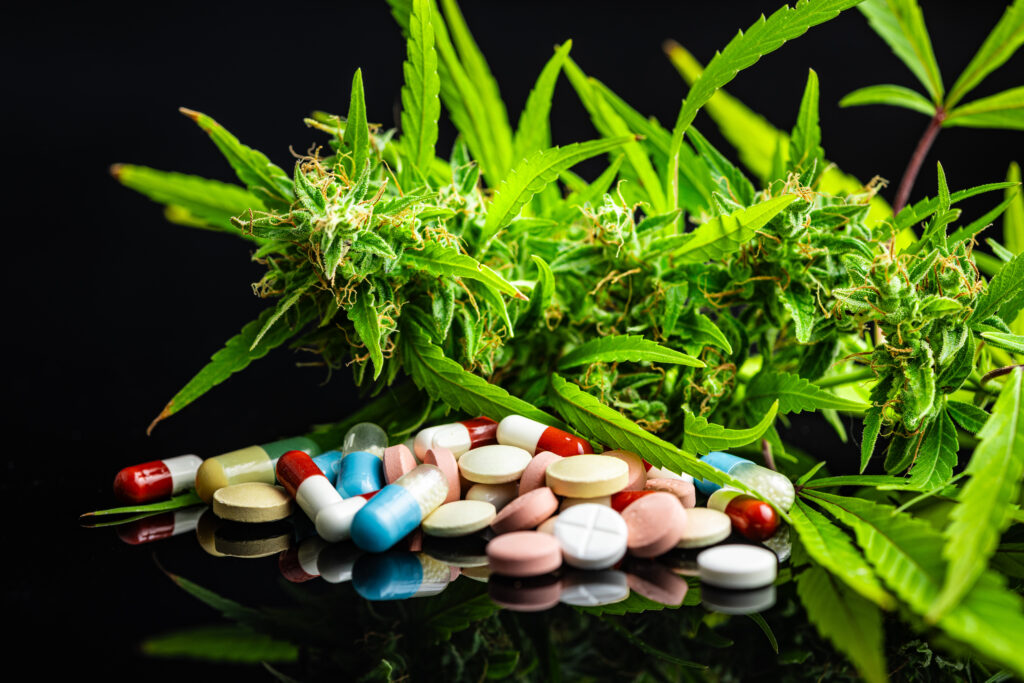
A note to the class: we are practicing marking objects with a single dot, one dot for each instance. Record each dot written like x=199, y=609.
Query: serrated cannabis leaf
x=532, y=132
x=624, y=348
x=894, y=95
x=366, y=320
x=421, y=105
x=222, y=643
x=935, y=459
x=1002, y=42
x=1010, y=342
x=724, y=235
x=985, y=503
x=805, y=141
x=440, y=260
x=1002, y=110
x=183, y=500
x=901, y=24
x=1004, y=296
x=702, y=437
x=794, y=393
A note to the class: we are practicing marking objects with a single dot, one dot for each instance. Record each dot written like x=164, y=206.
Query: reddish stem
x=914, y=167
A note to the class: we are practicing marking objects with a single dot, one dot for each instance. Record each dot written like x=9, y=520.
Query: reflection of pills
x=524, y=553
x=737, y=602
x=595, y=588
x=738, y=567
x=591, y=536
x=705, y=527
x=529, y=594
x=656, y=582
x=587, y=476
x=252, y=502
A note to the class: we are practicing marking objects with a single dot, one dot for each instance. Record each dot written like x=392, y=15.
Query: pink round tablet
x=637, y=473
x=534, y=476
x=526, y=511
x=683, y=490
x=656, y=582
x=445, y=460
x=532, y=594
x=655, y=523
x=524, y=553
x=397, y=461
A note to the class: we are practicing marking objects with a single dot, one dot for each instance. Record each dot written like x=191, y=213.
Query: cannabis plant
x=675, y=304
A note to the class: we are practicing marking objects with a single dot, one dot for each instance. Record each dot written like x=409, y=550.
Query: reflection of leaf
x=183, y=500
x=461, y=605
x=223, y=643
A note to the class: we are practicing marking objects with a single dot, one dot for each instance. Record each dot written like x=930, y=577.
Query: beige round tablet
x=459, y=518
x=587, y=476
x=252, y=502
x=569, y=502
x=494, y=464
x=705, y=527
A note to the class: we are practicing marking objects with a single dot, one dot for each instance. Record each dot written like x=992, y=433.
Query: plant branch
x=914, y=166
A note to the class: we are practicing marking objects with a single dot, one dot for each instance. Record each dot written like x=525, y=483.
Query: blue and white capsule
x=399, y=508
x=329, y=463
x=360, y=472
x=769, y=484
x=399, y=575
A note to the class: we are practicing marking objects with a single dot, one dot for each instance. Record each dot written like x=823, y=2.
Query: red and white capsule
x=458, y=437
x=751, y=517
x=315, y=494
x=157, y=479
x=534, y=437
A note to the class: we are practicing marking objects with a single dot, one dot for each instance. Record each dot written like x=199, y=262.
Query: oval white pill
x=738, y=566
x=592, y=536
x=459, y=518
x=494, y=464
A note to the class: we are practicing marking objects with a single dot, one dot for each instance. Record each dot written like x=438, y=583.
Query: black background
x=109, y=310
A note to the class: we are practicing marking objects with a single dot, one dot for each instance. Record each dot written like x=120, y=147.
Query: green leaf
x=532, y=174
x=764, y=36
x=445, y=380
x=872, y=427
x=901, y=24
x=974, y=227
x=282, y=307
x=212, y=203
x=730, y=180
x=357, y=131
x=794, y=393
x=853, y=624
x=702, y=437
x=1010, y=342
x=622, y=348
x=533, y=130
x=724, y=235
x=986, y=501
x=1004, y=296
x=827, y=545
x=236, y=355
x=221, y=643
x=935, y=459
x=364, y=317
x=802, y=307
x=463, y=604
x=183, y=500
x=805, y=141
x=1002, y=110
x=265, y=180
x=916, y=213
x=894, y=95
x=1013, y=219
x=999, y=46
x=439, y=260
x=607, y=426
x=421, y=105
x=970, y=417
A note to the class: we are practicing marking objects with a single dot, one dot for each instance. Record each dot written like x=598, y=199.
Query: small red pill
x=752, y=518
x=622, y=499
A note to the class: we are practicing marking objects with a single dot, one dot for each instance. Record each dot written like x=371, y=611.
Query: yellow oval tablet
x=459, y=518
x=252, y=502
x=494, y=464
x=587, y=476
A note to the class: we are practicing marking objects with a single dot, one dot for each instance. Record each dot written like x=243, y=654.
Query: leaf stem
x=848, y=378
x=914, y=166
x=998, y=372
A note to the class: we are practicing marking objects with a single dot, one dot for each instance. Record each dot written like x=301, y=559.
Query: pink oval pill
x=681, y=489
x=526, y=511
x=524, y=553
x=655, y=523
x=449, y=466
x=397, y=461
x=637, y=473
x=534, y=476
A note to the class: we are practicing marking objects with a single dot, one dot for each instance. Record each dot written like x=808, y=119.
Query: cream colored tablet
x=587, y=476
x=459, y=518
x=494, y=464
x=705, y=527
x=252, y=502
x=480, y=574
x=600, y=500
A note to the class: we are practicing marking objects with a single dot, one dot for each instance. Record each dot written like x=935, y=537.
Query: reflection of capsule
x=737, y=602
x=770, y=484
x=534, y=437
x=399, y=508
x=753, y=518
x=164, y=525
x=780, y=544
x=397, y=575
x=255, y=463
x=336, y=561
x=299, y=563
x=331, y=514
x=360, y=472
x=157, y=479
x=458, y=437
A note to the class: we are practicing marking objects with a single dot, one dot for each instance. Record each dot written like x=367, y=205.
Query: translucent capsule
x=157, y=479
x=751, y=517
x=160, y=526
x=458, y=437
x=398, y=575
x=331, y=514
x=533, y=437
x=255, y=463
x=365, y=436
x=360, y=472
x=773, y=486
x=399, y=508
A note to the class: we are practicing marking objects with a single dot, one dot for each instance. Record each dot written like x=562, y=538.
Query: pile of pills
x=526, y=507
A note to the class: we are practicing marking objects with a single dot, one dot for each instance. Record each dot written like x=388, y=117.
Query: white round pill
x=592, y=589
x=592, y=536
x=737, y=566
x=494, y=464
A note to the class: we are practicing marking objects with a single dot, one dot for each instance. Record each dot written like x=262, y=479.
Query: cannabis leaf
x=364, y=317
x=1004, y=296
x=622, y=348
x=701, y=436
x=901, y=24
x=532, y=133
x=794, y=393
x=1002, y=42
x=805, y=143
x=421, y=106
x=935, y=458
x=440, y=260
x=894, y=95
x=723, y=235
